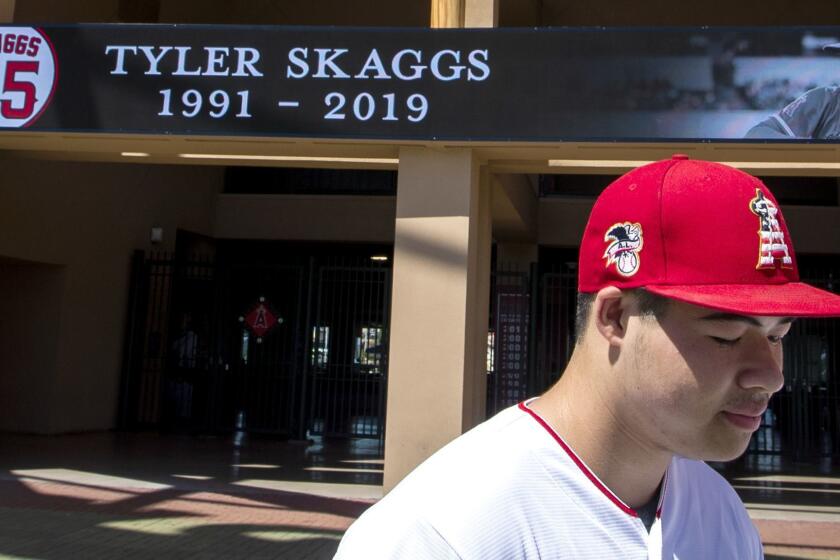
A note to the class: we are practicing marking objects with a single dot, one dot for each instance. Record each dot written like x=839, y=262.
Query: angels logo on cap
x=771, y=246
x=623, y=252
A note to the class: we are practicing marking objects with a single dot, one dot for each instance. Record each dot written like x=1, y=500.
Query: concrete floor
x=109, y=495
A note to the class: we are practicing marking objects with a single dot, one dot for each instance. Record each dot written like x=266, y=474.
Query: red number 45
x=11, y=84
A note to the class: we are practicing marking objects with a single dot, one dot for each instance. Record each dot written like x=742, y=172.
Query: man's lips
x=748, y=409
x=746, y=419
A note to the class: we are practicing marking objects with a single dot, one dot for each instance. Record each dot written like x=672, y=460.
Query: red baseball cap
x=699, y=232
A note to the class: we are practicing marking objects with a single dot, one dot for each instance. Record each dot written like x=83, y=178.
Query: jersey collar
x=593, y=478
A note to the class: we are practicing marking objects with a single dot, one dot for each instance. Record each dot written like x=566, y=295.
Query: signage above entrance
x=544, y=85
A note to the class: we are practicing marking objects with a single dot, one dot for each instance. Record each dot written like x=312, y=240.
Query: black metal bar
x=126, y=415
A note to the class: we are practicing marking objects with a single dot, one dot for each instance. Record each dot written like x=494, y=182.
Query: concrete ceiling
x=514, y=157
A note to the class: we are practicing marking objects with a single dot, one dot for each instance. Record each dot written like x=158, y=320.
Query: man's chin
x=724, y=458
x=725, y=453
x=720, y=451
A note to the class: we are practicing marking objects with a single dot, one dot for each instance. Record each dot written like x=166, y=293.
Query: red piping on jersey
x=581, y=465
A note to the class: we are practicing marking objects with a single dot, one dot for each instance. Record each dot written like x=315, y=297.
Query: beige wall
x=516, y=256
x=30, y=317
x=87, y=219
x=561, y=221
x=316, y=218
x=514, y=205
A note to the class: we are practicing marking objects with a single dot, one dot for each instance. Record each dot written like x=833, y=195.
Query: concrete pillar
x=439, y=306
x=7, y=11
x=464, y=13
x=481, y=13
x=447, y=14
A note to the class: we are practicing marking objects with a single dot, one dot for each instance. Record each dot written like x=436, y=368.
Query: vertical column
x=447, y=13
x=464, y=13
x=481, y=13
x=437, y=371
x=7, y=11
x=480, y=313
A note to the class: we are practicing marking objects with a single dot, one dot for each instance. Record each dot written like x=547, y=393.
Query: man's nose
x=763, y=370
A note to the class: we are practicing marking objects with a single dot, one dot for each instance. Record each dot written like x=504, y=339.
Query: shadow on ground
x=147, y=496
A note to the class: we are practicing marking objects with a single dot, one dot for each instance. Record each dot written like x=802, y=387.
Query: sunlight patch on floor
x=192, y=476
x=290, y=536
x=323, y=489
x=791, y=478
x=72, y=476
x=342, y=469
x=164, y=526
x=380, y=462
x=785, y=489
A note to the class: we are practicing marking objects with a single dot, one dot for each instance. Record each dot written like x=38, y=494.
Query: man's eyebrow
x=724, y=316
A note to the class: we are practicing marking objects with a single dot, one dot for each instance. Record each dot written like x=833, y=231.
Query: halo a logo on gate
x=28, y=73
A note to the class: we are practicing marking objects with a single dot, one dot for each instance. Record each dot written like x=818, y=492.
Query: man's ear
x=610, y=314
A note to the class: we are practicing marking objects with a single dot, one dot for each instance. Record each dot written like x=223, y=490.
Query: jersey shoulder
x=451, y=502
x=706, y=514
x=705, y=486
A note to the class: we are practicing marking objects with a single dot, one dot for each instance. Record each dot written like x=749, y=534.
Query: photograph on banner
x=725, y=84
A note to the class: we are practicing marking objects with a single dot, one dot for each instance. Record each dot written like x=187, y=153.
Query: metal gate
x=556, y=322
x=531, y=331
x=193, y=361
x=509, y=339
x=348, y=356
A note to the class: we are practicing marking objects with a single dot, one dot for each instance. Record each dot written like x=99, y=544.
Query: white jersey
x=511, y=488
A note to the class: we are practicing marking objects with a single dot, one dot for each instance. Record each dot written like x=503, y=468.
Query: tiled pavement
x=158, y=497
x=54, y=520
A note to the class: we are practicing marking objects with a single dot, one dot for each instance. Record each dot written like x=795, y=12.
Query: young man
x=688, y=284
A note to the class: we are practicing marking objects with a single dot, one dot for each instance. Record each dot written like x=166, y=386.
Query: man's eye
x=775, y=338
x=726, y=341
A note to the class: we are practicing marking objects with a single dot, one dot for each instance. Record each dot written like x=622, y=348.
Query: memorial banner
x=516, y=84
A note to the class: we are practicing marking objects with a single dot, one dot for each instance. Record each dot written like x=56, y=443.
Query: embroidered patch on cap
x=772, y=248
x=625, y=243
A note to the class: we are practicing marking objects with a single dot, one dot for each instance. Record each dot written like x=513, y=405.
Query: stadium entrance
x=282, y=339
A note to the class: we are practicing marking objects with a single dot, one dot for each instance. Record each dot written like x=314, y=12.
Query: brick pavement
x=50, y=520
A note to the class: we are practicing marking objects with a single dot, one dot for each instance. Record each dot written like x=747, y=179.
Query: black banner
x=494, y=84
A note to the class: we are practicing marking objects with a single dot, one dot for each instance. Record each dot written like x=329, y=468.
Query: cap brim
x=793, y=299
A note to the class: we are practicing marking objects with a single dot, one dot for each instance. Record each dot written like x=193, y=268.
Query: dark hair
x=650, y=305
